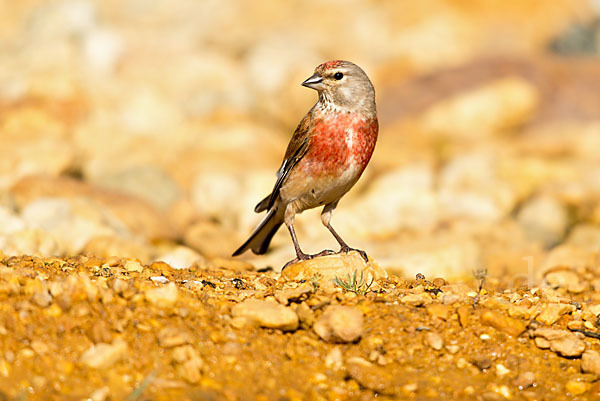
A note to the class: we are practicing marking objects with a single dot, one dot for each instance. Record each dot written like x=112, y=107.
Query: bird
x=326, y=156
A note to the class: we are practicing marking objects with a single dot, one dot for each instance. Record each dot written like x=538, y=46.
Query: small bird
x=327, y=154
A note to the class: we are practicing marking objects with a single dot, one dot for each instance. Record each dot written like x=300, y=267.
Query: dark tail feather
x=263, y=204
x=261, y=237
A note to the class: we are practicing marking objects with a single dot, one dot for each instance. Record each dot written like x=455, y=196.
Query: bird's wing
x=296, y=149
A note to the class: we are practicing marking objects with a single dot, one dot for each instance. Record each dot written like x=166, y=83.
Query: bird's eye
x=338, y=75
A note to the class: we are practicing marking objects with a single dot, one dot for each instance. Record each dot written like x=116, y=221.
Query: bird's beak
x=314, y=82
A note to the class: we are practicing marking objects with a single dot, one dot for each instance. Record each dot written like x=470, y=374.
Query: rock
x=327, y=268
x=544, y=219
x=524, y=380
x=133, y=266
x=440, y=311
x=434, y=340
x=491, y=107
x=306, y=315
x=503, y=323
x=577, y=387
x=181, y=257
x=189, y=365
x=334, y=359
x=267, y=314
x=564, y=343
x=552, y=312
x=482, y=362
x=163, y=296
x=103, y=356
x=172, y=337
x=288, y=295
x=371, y=376
x=339, y=324
x=416, y=299
x=464, y=312
x=101, y=394
x=590, y=362
x=564, y=278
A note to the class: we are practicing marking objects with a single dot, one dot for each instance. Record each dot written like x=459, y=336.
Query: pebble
x=371, y=376
x=590, y=362
x=501, y=370
x=164, y=296
x=563, y=278
x=416, y=299
x=464, y=312
x=189, y=365
x=172, y=337
x=100, y=394
x=552, y=312
x=306, y=315
x=339, y=324
x=288, y=295
x=334, y=359
x=103, y=356
x=440, y=311
x=577, y=387
x=524, y=380
x=503, y=323
x=434, y=340
x=267, y=314
x=133, y=266
x=563, y=342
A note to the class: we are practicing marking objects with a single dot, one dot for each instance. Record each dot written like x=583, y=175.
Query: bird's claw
x=346, y=249
x=325, y=252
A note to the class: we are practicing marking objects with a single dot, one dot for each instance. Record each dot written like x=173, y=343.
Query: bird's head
x=343, y=85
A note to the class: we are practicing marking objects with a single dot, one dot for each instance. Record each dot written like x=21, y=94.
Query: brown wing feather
x=296, y=149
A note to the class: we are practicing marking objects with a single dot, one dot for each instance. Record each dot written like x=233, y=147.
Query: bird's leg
x=326, y=219
x=289, y=222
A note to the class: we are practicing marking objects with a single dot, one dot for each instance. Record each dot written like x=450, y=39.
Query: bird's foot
x=346, y=249
x=299, y=257
x=325, y=252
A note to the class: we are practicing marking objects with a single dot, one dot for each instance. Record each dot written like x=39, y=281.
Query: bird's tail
x=261, y=237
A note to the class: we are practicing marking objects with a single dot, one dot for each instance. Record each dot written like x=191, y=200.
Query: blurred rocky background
x=150, y=129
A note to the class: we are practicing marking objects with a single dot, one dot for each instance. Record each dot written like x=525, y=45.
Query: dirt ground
x=112, y=329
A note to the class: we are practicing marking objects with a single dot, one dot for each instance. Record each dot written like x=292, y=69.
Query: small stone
x=293, y=294
x=172, y=337
x=416, y=299
x=189, y=363
x=576, y=387
x=267, y=314
x=453, y=349
x=541, y=343
x=100, y=395
x=439, y=311
x=102, y=356
x=159, y=279
x=524, y=380
x=133, y=266
x=501, y=370
x=575, y=325
x=339, y=324
x=464, y=312
x=503, y=323
x=590, y=362
x=164, y=296
x=371, y=376
x=552, y=312
x=306, y=315
x=434, y=340
x=563, y=278
x=42, y=298
x=563, y=342
x=334, y=359
x=482, y=362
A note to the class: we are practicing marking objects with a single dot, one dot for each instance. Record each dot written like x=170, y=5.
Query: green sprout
x=355, y=284
x=315, y=280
